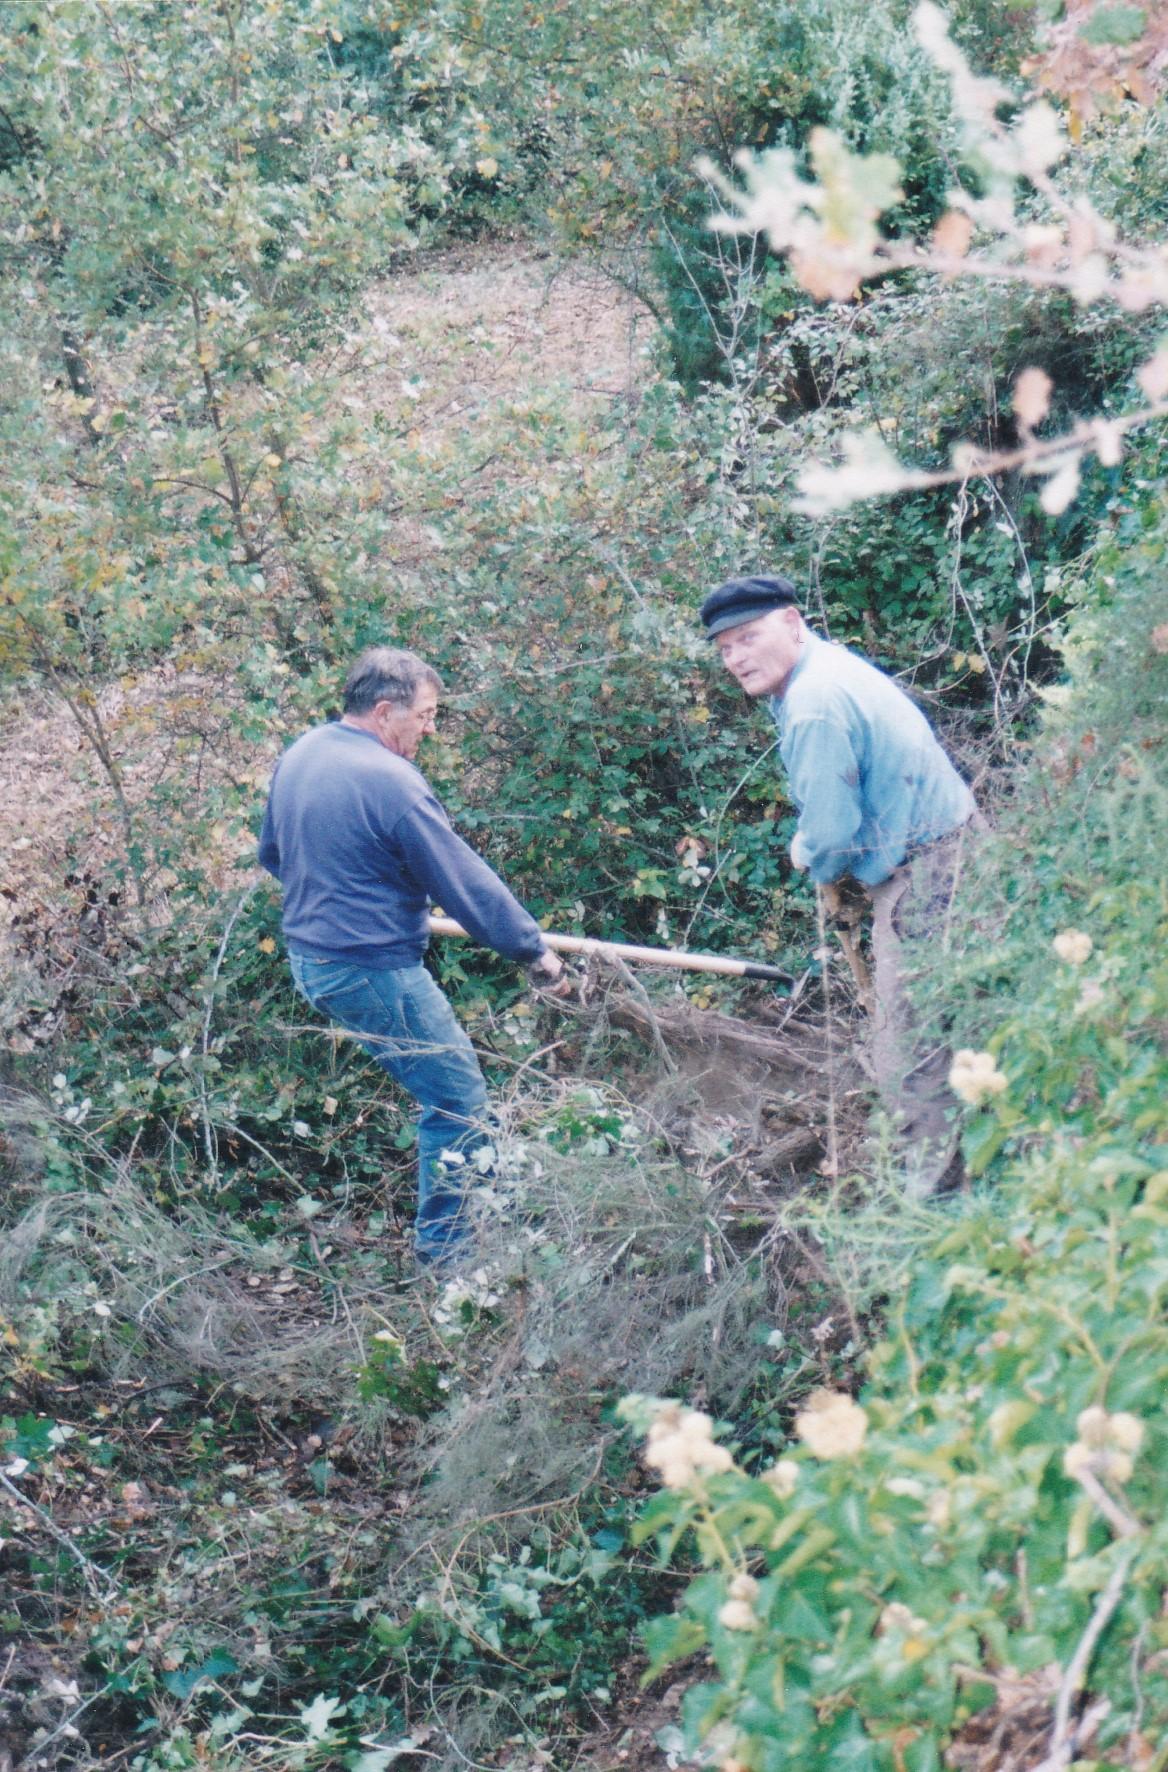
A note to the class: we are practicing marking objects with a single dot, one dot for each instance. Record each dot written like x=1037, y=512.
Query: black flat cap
x=745, y=599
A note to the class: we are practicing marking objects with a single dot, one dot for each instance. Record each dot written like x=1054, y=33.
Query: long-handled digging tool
x=623, y=950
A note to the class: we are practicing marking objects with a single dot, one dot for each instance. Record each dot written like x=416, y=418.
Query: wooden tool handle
x=676, y=957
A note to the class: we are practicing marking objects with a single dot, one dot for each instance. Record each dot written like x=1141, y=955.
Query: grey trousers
x=910, y=1064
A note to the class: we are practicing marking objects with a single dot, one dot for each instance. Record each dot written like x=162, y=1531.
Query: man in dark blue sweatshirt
x=361, y=848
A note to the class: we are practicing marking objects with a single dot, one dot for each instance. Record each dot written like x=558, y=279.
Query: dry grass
x=177, y=1294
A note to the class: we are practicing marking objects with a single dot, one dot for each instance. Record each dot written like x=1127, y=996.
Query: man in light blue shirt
x=878, y=801
x=868, y=777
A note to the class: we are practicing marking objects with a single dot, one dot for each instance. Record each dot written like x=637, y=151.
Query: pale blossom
x=1108, y=442
x=738, y=1615
x=1106, y=1445
x=1126, y=1431
x=974, y=1076
x=1092, y=1425
x=1039, y=139
x=831, y=1425
x=1032, y=391
x=1062, y=484
x=897, y=1616
x=681, y=1444
x=1101, y=1461
x=1073, y=946
x=782, y=1477
x=939, y=1508
x=1153, y=375
x=1091, y=997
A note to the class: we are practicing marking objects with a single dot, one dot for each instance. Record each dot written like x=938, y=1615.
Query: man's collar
x=347, y=725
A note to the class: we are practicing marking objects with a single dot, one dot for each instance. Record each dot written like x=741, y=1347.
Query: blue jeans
x=407, y=1025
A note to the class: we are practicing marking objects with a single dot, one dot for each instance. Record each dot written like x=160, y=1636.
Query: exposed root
x=792, y=1058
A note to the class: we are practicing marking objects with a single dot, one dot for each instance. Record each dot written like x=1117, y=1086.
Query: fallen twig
x=101, y=1585
x=1062, y=1740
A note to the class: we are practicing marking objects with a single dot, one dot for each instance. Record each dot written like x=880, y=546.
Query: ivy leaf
x=183, y=1681
x=376, y=1759
x=317, y=1716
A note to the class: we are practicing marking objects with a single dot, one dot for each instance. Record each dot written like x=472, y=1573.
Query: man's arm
x=467, y=889
x=824, y=775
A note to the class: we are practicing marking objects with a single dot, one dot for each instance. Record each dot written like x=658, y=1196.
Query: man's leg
x=404, y=1021
x=912, y=1072
x=441, y=1070
x=887, y=1046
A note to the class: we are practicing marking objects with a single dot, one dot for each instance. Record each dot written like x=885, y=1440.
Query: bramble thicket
x=505, y=333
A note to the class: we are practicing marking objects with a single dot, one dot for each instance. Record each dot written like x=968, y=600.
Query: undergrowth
x=284, y=1498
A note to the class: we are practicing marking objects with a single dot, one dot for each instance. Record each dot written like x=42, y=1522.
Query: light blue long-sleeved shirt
x=864, y=768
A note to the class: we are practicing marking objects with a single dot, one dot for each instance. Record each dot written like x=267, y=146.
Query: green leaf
x=391, y=1635
x=849, y=1746
x=668, y=1640
x=924, y=1755
x=801, y=1620
x=182, y=1681
x=1115, y=24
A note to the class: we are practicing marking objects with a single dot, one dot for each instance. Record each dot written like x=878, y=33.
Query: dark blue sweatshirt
x=361, y=847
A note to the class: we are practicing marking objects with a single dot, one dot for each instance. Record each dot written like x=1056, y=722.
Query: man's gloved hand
x=549, y=976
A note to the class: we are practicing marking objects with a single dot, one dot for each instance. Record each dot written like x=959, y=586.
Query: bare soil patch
x=467, y=331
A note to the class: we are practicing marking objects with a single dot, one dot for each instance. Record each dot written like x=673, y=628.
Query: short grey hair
x=383, y=673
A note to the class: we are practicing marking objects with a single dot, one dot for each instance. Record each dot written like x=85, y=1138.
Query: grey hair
x=383, y=673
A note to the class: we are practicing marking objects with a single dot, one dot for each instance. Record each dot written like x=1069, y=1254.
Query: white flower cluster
x=737, y=1612
x=475, y=1289
x=682, y=1445
x=896, y=1616
x=782, y=1477
x=1073, y=946
x=72, y=1110
x=1106, y=1446
x=974, y=1076
x=831, y=1425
